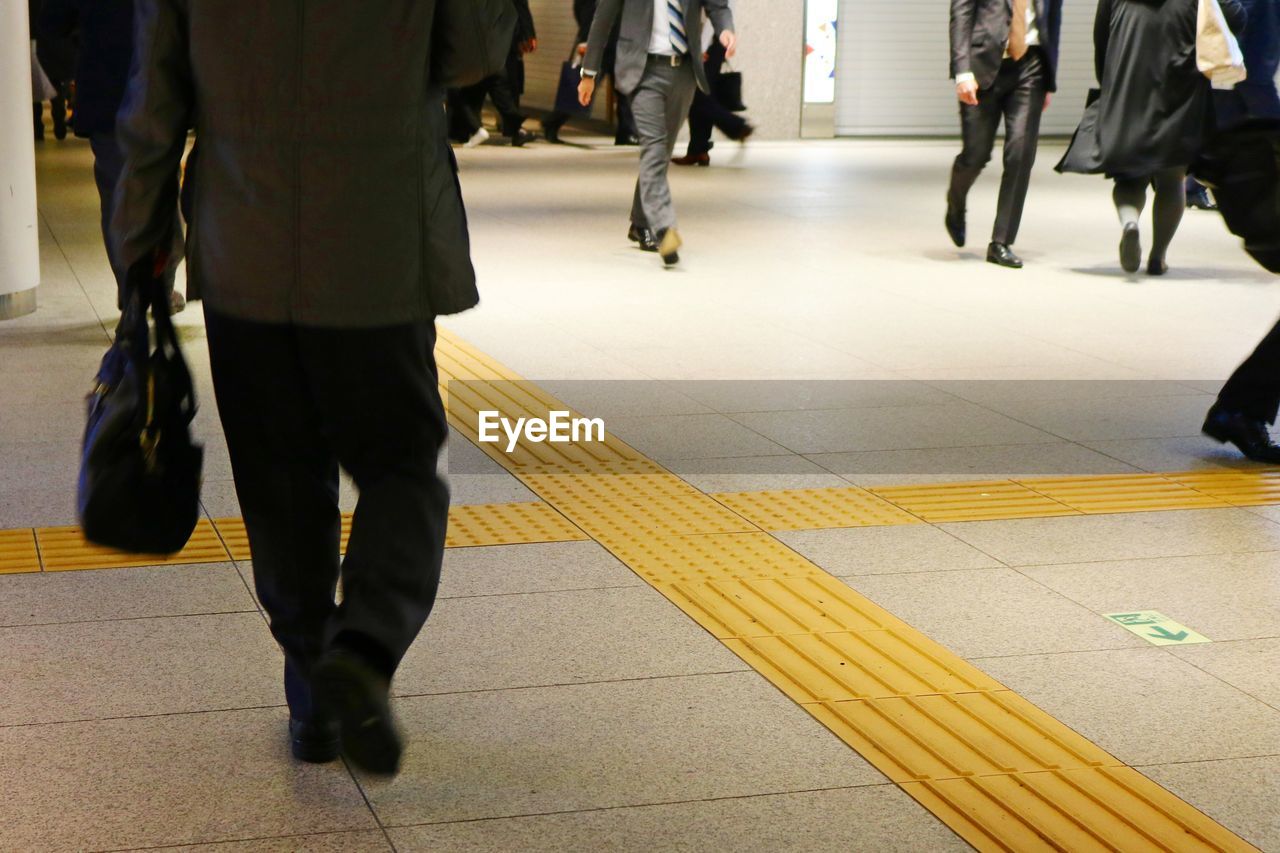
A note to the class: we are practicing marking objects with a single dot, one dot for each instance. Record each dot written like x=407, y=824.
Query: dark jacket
x=1255, y=97
x=583, y=12
x=325, y=193
x=106, y=47
x=635, y=21
x=1153, y=109
x=56, y=51
x=980, y=32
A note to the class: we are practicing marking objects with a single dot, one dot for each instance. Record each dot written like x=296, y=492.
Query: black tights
x=1130, y=196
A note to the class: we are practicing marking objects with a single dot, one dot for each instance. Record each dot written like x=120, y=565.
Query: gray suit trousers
x=660, y=105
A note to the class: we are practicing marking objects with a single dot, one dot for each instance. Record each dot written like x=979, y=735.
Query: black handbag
x=139, y=487
x=567, y=94
x=727, y=91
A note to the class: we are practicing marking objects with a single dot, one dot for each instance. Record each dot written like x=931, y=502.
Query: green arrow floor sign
x=1156, y=628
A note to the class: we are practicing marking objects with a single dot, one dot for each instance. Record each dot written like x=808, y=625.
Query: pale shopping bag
x=1218, y=53
x=41, y=88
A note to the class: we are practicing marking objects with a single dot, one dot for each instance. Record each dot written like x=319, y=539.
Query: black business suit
x=1254, y=388
x=1008, y=89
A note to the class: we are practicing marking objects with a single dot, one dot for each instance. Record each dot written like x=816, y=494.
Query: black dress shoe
x=629, y=139
x=1000, y=253
x=314, y=741
x=520, y=137
x=1156, y=266
x=360, y=697
x=643, y=236
x=1249, y=434
x=955, y=224
x=551, y=130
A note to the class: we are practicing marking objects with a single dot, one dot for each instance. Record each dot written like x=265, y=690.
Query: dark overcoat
x=1153, y=107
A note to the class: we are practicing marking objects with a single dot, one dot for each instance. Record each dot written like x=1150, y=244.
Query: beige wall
x=770, y=54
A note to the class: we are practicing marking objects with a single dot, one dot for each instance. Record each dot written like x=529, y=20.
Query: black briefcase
x=728, y=91
x=567, y=94
x=139, y=487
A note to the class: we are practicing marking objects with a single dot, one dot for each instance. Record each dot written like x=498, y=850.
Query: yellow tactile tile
x=974, y=501
x=234, y=536
x=957, y=735
x=508, y=524
x=1253, y=487
x=1121, y=493
x=65, y=549
x=620, y=504
x=1098, y=809
x=706, y=557
x=918, y=712
x=469, y=526
x=818, y=603
x=859, y=665
x=815, y=509
x=18, y=552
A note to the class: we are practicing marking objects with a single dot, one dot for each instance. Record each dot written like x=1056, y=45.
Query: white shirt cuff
x=965, y=77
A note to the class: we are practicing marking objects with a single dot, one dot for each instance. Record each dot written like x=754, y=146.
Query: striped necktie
x=675, y=19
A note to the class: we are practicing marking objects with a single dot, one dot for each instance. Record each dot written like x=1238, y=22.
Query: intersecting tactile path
x=1000, y=772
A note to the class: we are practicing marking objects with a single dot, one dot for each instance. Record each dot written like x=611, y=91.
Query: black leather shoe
x=1130, y=248
x=314, y=741
x=551, y=131
x=521, y=137
x=360, y=698
x=1156, y=266
x=669, y=243
x=629, y=139
x=1000, y=253
x=643, y=236
x=955, y=224
x=1247, y=433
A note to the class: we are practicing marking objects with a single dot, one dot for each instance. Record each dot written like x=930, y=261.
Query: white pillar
x=19, y=237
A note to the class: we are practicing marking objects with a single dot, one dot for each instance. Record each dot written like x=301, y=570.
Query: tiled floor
x=557, y=702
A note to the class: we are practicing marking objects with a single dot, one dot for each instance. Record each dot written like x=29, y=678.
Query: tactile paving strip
x=1123, y=493
x=1097, y=809
x=18, y=552
x=707, y=557
x=944, y=731
x=470, y=525
x=815, y=509
x=1256, y=487
x=65, y=549
x=974, y=501
x=471, y=382
x=958, y=735
x=508, y=524
x=859, y=665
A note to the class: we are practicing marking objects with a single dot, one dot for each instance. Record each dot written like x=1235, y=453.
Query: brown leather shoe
x=692, y=160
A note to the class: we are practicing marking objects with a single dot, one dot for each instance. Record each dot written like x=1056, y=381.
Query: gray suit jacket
x=633, y=37
x=324, y=191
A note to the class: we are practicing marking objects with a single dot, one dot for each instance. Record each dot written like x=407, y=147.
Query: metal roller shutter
x=892, y=64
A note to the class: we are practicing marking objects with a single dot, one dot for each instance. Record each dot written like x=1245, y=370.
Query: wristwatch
x=589, y=74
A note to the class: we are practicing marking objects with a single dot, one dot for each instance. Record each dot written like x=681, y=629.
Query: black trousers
x=707, y=113
x=503, y=89
x=1017, y=96
x=1254, y=388
x=295, y=404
